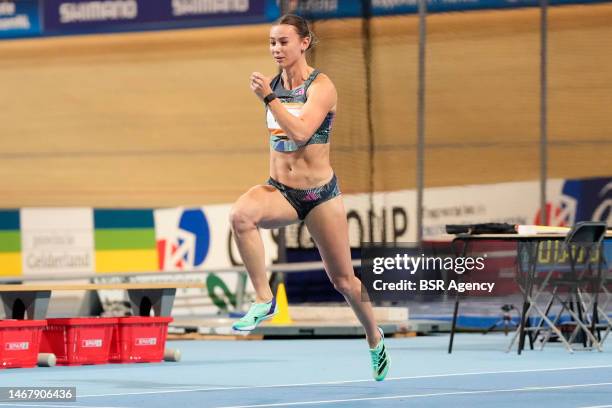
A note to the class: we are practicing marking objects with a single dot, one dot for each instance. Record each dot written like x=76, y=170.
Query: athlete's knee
x=242, y=219
x=343, y=284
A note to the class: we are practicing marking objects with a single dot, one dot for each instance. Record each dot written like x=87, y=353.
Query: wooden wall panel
x=167, y=118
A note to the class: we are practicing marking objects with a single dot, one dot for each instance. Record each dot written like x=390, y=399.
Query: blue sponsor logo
x=593, y=198
x=19, y=18
x=204, y=7
x=97, y=11
x=195, y=223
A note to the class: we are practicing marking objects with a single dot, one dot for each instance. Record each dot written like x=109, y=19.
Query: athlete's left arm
x=321, y=100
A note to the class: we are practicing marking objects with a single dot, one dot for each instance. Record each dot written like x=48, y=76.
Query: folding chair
x=585, y=236
x=582, y=284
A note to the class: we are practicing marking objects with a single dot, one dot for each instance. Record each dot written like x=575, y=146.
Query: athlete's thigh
x=329, y=229
x=267, y=207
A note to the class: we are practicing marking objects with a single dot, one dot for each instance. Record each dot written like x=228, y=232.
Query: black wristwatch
x=269, y=98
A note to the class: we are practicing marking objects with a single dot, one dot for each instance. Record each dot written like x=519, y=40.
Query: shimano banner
x=87, y=16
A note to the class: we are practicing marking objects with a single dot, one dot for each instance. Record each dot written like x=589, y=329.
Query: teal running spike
x=258, y=313
x=380, y=359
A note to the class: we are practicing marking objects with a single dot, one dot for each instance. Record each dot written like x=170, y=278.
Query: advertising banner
x=10, y=243
x=322, y=9
x=57, y=241
x=86, y=16
x=192, y=239
x=19, y=18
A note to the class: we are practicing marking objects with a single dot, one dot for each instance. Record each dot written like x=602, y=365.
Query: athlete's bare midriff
x=305, y=168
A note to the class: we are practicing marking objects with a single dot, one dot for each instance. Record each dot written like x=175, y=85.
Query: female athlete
x=300, y=106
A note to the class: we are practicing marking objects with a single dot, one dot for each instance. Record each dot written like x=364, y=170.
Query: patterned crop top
x=294, y=100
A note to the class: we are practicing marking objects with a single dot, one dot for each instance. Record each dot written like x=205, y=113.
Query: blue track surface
x=335, y=373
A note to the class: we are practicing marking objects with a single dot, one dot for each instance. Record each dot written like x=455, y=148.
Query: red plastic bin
x=140, y=339
x=79, y=340
x=19, y=342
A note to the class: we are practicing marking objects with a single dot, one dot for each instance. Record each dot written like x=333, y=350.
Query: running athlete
x=300, y=107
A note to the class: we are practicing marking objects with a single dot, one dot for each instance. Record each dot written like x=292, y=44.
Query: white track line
x=345, y=382
x=22, y=404
x=408, y=396
x=598, y=406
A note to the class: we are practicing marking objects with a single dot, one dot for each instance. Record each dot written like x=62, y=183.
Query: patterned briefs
x=305, y=200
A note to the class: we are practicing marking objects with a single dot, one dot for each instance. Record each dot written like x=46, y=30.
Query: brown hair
x=301, y=27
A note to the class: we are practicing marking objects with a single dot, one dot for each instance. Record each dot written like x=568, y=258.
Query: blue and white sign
x=593, y=197
x=19, y=18
x=322, y=9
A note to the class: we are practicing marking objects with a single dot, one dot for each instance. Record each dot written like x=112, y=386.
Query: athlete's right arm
x=322, y=98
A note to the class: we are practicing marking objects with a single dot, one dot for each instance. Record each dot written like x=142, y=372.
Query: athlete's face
x=286, y=46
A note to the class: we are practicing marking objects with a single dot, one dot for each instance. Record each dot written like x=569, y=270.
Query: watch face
x=269, y=98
